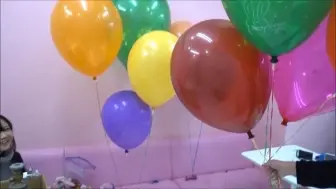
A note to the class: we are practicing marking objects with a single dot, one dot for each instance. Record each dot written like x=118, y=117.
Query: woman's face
x=6, y=136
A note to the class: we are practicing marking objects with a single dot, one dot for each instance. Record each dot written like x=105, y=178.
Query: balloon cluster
x=89, y=35
x=215, y=67
x=303, y=34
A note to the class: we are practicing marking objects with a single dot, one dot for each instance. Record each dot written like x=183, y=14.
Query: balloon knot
x=94, y=78
x=331, y=96
x=126, y=152
x=155, y=181
x=284, y=122
x=250, y=135
x=274, y=59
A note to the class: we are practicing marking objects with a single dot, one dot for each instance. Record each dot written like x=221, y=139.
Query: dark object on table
x=191, y=177
x=320, y=174
x=304, y=155
x=16, y=182
x=155, y=181
x=17, y=158
x=33, y=179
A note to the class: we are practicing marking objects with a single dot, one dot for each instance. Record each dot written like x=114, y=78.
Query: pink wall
x=49, y=103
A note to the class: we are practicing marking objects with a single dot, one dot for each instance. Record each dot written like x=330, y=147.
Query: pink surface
x=245, y=178
x=162, y=160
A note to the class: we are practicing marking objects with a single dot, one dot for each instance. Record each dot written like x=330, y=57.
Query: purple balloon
x=127, y=119
x=304, y=79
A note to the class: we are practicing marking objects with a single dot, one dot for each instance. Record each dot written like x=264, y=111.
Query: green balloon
x=276, y=26
x=140, y=17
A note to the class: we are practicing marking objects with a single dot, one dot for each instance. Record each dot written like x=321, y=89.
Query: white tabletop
x=286, y=153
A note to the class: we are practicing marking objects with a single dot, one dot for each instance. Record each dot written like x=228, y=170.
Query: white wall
x=318, y=133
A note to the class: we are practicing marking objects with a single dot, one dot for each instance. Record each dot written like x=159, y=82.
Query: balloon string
x=331, y=97
x=106, y=137
x=275, y=178
x=272, y=108
x=254, y=143
x=171, y=156
x=190, y=145
x=171, y=159
x=197, y=147
x=270, y=132
x=270, y=72
x=266, y=132
x=144, y=161
x=146, y=151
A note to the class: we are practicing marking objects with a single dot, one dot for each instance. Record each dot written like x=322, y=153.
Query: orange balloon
x=88, y=34
x=331, y=37
x=179, y=27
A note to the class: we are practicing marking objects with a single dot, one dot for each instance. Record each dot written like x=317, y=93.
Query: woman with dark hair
x=8, y=153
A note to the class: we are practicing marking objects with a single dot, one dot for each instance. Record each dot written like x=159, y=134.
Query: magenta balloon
x=304, y=78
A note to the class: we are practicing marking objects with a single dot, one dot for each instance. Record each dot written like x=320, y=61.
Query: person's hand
x=284, y=168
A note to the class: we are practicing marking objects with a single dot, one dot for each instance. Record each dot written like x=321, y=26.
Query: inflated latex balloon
x=331, y=40
x=127, y=119
x=88, y=34
x=140, y=17
x=219, y=77
x=149, y=67
x=276, y=27
x=179, y=27
x=304, y=79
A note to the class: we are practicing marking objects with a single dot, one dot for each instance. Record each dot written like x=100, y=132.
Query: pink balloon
x=304, y=79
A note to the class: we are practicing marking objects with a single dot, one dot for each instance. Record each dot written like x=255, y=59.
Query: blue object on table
x=325, y=156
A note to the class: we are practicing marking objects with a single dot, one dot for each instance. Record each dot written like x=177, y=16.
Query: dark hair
x=6, y=120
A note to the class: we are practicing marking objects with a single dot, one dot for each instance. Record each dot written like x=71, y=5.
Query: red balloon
x=331, y=43
x=219, y=77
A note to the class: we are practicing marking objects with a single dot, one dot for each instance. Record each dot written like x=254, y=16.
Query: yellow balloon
x=148, y=67
x=87, y=33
